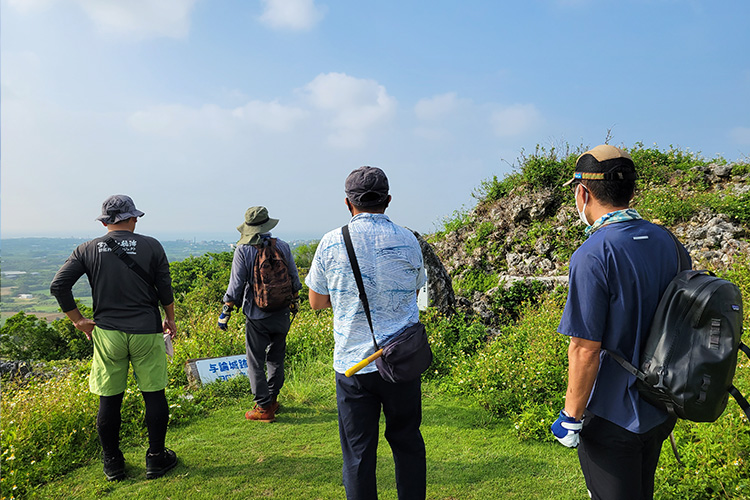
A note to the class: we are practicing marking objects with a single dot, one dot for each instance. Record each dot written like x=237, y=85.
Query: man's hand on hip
x=86, y=326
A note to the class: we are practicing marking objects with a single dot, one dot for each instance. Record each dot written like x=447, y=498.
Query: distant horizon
x=227, y=236
x=220, y=237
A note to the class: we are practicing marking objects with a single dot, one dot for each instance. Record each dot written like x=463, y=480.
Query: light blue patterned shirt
x=390, y=260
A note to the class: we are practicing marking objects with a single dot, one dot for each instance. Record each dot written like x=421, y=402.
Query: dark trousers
x=618, y=464
x=265, y=346
x=359, y=399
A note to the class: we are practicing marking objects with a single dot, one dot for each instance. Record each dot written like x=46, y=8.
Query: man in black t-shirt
x=127, y=328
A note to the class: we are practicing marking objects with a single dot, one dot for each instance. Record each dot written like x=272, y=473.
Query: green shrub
x=452, y=339
x=303, y=254
x=49, y=426
x=740, y=169
x=521, y=369
x=507, y=302
x=210, y=271
x=659, y=168
x=30, y=338
x=490, y=190
x=715, y=458
x=665, y=205
x=48, y=429
x=457, y=220
x=545, y=169
x=479, y=238
x=475, y=280
x=311, y=335
x=737, y=207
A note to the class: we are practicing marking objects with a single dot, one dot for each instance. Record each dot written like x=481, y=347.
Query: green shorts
x=114, y=350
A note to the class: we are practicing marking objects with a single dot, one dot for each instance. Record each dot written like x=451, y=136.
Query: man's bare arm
x=583, y=361
x=319, y=301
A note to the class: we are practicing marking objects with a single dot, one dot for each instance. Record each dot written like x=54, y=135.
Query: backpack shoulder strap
x=628, y=366
x=682, y=256
x=133, y=265
x=740, y=400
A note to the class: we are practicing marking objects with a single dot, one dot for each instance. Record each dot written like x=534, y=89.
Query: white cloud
x=355, y=106
x=26, y=6
x=346, y=110
x=140, y=18
x=178, y=120
x=740, y=135
x=132, y=18
x=515, y=120
x=438, y=106
x=270, y=115
x=292, y=14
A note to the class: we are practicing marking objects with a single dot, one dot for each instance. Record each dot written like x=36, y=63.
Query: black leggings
x=108, y=421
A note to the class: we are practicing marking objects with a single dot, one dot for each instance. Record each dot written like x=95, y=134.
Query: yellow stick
x=369, y=359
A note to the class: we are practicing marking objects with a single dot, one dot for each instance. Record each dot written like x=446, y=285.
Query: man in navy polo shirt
x=617, y=277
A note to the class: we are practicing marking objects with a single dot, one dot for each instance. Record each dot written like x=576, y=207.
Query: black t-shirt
x=122, y=300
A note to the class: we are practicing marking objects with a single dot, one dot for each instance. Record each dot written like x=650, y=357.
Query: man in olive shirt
x=127, y=328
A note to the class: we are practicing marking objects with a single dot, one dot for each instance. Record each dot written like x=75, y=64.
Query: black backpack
x=690, y=353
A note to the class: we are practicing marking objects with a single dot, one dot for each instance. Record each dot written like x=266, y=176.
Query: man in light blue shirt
x=392, y=270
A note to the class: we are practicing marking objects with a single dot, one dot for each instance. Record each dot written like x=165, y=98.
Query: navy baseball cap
x=367, y=187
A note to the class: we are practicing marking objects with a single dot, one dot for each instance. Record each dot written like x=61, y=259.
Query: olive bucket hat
x=256, y=223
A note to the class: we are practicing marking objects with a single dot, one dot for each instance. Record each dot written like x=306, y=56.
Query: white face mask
x=582, y=212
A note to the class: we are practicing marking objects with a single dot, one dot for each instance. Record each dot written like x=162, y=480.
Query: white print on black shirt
x=127, y=245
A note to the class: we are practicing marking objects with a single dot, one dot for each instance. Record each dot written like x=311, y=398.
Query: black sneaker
x=114, y=466
x=159, y=464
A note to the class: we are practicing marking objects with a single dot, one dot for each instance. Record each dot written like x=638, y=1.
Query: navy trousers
x=265, y=345
x=618, y=464
x=359, y=399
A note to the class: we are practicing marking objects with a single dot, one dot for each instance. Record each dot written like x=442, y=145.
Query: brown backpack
x=272, y=286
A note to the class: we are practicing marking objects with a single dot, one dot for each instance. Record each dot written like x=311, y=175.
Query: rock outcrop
x=531, y=234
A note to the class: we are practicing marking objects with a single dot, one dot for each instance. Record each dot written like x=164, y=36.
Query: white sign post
x=223, y=368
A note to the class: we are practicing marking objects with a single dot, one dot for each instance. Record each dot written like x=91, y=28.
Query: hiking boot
x=114, y=466
x=261, y=414
x=160, y=463
x=275, y=406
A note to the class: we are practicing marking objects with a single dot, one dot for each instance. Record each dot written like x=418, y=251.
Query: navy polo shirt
x=616, y=280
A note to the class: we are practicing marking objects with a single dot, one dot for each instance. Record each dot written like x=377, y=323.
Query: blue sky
x=199, y=109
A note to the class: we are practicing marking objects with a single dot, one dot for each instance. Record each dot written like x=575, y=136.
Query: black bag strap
x=744, y=348
x=358, y=279
x=628, y=366
x=684, y=264
x=123, y=255
x=682, y=257
x=740, y=400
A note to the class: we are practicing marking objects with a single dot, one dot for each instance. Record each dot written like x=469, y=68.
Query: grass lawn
x=469, y=456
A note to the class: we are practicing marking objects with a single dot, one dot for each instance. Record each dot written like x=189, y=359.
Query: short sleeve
x=587, y=307
x=316, y=278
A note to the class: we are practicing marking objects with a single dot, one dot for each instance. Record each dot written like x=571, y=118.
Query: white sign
x=223, y=368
